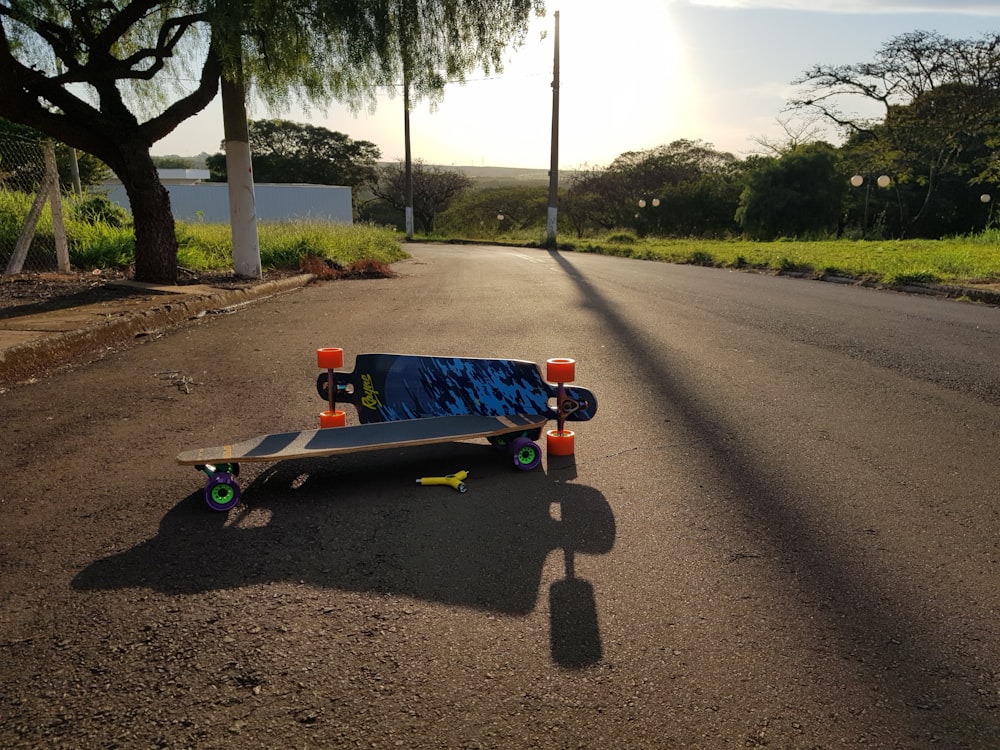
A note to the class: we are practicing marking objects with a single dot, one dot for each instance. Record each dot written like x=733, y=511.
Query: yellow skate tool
x=455, y=481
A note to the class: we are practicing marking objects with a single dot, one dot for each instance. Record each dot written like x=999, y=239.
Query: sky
x=634, y=74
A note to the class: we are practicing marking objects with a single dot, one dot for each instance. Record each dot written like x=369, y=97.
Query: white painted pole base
x=242, y=210
x=550, y=224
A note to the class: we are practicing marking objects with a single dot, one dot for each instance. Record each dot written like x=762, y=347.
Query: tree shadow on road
x=362, y=524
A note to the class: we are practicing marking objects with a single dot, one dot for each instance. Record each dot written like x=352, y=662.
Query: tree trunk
x=155, y=235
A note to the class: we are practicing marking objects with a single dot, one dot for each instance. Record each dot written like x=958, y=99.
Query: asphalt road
x=781, y=528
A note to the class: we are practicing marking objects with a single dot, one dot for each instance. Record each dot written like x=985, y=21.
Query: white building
x=193, y=198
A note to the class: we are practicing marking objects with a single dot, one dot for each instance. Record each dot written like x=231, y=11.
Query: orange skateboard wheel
x=560, y=370
x=560, y=442
x=330, y=358
x=332, y=419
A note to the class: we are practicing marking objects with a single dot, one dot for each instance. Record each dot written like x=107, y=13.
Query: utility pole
x=239, y=178
x=406, y=12
x=408, y=167
x=550, y=224
x=239, y=166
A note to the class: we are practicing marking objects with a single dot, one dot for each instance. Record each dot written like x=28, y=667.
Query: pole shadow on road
x=361, y=523
x=917, y=667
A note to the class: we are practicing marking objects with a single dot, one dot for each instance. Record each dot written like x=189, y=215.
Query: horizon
x=380, y=162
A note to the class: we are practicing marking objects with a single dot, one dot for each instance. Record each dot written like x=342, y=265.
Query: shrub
x=701, y=258
x=99, y=209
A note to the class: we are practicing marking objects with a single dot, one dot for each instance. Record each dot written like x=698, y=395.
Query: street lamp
x=654, y=203
x=858, y=180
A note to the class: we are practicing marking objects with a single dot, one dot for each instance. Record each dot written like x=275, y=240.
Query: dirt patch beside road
x=28, y=294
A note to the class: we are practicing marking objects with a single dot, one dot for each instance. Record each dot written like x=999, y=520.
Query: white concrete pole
x=550, y=224
x=239, y=171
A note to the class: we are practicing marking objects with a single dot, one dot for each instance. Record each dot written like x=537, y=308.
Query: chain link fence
x=32, y=234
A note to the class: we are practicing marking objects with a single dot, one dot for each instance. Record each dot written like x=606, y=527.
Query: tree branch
x=208, y=86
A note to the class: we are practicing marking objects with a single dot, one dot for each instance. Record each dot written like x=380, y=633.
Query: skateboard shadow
x=343, y=525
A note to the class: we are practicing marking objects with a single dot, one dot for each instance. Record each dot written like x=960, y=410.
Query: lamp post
x=987, y=200
x=858, y=180
x=654, y=203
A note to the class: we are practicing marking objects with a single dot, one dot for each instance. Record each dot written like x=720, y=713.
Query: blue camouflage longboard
x=392, y=387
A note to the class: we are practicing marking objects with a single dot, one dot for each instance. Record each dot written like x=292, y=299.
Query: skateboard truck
x=210, y=469
x=329, y=359
x=560, y=441
x=452, y=480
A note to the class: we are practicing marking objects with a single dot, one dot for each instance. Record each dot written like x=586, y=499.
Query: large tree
x=285, y=151
x=905, y=68
x=477, y=211
x=631, y=191
x=434, y=188
x=96, y=74
x=931, y=109
x=795, y=195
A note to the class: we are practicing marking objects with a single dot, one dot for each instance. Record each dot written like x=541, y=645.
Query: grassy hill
x=504, y=176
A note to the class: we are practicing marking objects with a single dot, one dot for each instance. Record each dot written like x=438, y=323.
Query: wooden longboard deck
x=364, y=437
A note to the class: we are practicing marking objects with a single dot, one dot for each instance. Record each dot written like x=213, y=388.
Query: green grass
x=973, y=259
x=288, y=244
x=201, y=247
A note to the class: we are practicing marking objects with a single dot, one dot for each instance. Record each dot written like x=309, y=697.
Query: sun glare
x=625, y=80
x=625, y=85
x=612, y=67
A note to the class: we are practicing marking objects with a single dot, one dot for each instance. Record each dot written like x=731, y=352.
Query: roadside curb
x=30, y=359
x=985, y=296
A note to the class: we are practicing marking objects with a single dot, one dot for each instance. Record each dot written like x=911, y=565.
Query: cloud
x=964, y=7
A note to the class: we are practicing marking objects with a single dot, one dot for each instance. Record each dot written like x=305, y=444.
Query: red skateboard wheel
x=560, y=370
x=560, y=442
x=332, y=419
x=330, y=358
